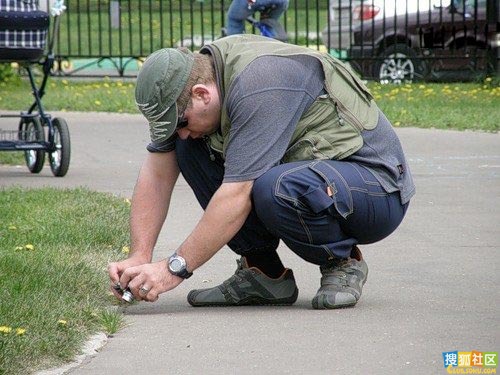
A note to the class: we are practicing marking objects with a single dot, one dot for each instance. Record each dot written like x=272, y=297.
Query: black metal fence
x=389, y=40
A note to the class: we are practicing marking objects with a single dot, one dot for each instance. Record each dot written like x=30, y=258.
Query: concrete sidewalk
x=433, y=285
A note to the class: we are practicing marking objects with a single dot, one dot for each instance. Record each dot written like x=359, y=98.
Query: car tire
x=398, y=64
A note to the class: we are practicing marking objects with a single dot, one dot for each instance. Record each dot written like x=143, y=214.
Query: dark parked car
x=346, y=15
x=453, y=40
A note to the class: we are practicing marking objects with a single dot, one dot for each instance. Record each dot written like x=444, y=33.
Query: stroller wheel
x=31, y=130
x=59, y=158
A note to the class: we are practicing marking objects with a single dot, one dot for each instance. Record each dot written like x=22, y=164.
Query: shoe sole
x=249, y=301
x=324, y=305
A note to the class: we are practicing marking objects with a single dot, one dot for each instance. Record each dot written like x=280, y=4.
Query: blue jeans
x=319, y=208
x=238, y=12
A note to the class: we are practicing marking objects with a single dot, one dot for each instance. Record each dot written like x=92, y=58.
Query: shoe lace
x=239, y=274
x=335, y=274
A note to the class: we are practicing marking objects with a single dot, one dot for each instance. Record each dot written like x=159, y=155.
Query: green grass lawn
x=460, y=106
x=443, y=106
x=54, y=291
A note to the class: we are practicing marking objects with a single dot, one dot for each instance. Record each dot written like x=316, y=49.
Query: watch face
x=176, y=265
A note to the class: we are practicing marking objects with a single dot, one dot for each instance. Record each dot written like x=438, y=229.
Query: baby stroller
x=24, y=31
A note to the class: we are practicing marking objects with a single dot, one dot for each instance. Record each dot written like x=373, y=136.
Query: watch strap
x=184, y=274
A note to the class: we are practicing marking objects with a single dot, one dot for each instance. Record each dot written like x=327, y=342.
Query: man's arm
x=225, y=215
x=223, y=218
x=150, y=203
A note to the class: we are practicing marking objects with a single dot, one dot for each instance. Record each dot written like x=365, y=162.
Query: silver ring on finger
x=143, y=290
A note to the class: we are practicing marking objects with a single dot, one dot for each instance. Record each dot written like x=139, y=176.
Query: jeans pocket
x=316, y=199
x=337, y=190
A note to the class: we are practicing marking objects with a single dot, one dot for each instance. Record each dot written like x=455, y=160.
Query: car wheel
x=398, y=64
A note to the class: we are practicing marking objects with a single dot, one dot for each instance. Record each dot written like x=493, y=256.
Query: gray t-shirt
x=265, y=103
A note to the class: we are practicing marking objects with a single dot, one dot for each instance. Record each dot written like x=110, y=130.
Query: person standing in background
x=239, y=10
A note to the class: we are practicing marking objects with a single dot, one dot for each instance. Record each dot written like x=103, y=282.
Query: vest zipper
x=344, y=113
x=207, y=142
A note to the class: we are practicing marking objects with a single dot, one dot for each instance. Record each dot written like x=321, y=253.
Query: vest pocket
x=313, y=146
x=353, y=99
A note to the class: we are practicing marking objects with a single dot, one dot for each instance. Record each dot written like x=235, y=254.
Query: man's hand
x=148, y=281
x=116, y=269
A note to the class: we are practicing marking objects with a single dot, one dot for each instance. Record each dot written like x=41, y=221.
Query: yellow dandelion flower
x=397, y=123
x=97, y=102
x=64, y=82
x=29, y=247
x=5, y=329
x=20, y=331
x=12, y=227
x=62, y=322
x=125, y=249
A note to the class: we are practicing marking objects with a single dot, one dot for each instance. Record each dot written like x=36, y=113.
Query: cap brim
x=163, y=128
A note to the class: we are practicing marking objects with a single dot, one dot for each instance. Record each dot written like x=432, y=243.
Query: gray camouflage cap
x=160, y=82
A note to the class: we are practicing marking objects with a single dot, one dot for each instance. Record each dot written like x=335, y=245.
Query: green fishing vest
x=331, y=127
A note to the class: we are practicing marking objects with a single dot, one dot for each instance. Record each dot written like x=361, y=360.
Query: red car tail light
x=365, y=12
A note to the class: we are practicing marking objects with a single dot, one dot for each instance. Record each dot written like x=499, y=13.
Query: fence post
x=493, y=11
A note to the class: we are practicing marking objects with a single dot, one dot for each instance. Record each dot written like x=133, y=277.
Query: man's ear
x=201, y=92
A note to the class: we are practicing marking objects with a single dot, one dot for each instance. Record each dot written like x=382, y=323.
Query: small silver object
x=128, y=296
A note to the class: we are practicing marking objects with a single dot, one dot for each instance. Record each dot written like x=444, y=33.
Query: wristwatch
x=177, y=266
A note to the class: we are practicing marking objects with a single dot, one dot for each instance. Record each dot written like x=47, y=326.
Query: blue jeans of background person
x=238, y=12
x=319, y=208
